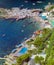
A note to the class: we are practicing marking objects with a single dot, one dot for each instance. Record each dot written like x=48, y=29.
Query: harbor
x=21, y=22
x=22, y=48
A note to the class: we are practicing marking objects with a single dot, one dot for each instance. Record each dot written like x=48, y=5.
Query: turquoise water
x=23, y=50
x=43, y=17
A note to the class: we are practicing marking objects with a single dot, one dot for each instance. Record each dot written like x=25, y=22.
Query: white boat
x=33, y=3
x=3, y=35
x=22, y=5
x=19, y=45
x=22, y=30
x=24, y=25
x=39, y=1
x=26, y=1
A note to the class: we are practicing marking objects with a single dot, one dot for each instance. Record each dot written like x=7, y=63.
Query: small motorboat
x=3, y=35
x=22, y=30
x=25, y=38
x=24, y=25
x=26, y=1
x=39, y=1
x=33, y=3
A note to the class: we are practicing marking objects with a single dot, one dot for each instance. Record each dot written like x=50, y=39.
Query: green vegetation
x=22, y=58
x=31, y=52
x=42, y=43
x=50, y=8
x=52, y=12
x=39, y=60
x=2, y=11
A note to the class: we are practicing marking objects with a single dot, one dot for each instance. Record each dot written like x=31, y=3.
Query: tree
x=22, y=58
x=50, y=62
x=39, y=59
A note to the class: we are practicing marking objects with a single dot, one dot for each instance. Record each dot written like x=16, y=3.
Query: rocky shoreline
x=18, y=13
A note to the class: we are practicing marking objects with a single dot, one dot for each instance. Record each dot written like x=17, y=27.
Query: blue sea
x=14, y=32
x=19, y=3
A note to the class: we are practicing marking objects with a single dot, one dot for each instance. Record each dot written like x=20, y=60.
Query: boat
x=33, y=3
x=26, y=1
x=24, y=25
x=22, y=30
x=39, y=1
x=22, y=5
x=20, y=45
x=13, y=51
x=4, y=35
x=25, y=38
